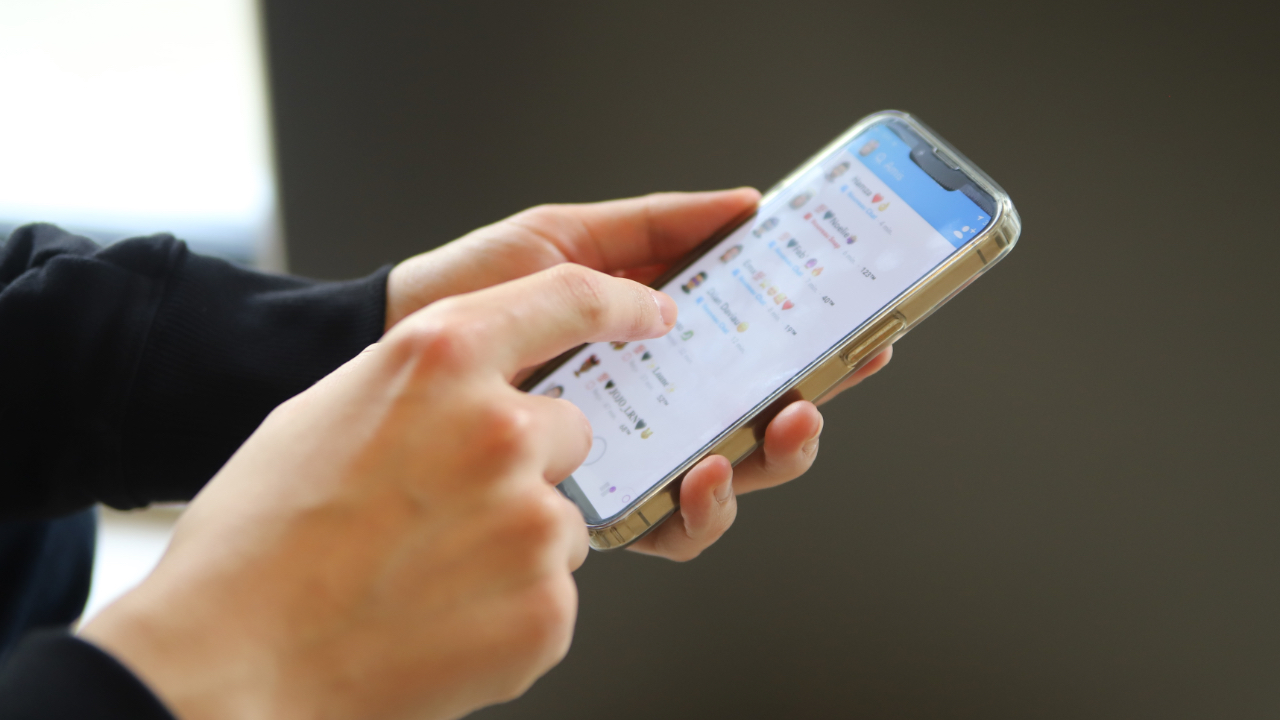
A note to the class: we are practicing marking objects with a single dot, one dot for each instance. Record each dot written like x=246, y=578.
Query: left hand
x=636, y=238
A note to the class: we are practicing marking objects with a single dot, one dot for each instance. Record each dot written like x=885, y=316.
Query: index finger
x=535, y=318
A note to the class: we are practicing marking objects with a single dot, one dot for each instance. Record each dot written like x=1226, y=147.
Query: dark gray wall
x=1096, y=534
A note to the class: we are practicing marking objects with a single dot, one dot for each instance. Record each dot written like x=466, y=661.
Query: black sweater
x=128, y=375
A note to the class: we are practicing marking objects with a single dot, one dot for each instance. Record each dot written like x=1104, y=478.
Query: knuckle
x=543, y=627
x=540, y=519
x=551, y=608
x=507, y=429
x=584, y=290
x=438, y=341
x=539, y=215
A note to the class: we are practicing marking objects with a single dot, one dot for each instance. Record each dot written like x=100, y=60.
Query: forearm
x=129, y=374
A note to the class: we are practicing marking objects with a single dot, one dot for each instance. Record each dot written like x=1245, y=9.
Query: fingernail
x=810, y=446
x=666, y=307
x=725, y=490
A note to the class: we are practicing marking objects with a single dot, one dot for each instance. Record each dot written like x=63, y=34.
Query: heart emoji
x=876, y=198
x=788, y=305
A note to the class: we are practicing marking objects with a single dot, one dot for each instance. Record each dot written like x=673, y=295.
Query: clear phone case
x=890, y=324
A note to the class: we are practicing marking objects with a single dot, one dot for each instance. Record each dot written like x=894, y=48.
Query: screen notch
x=941, y=167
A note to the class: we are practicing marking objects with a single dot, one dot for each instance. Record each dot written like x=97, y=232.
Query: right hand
x=389, y=543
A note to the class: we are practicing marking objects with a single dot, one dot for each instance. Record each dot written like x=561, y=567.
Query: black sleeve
x=130, y=373
x=52, y=675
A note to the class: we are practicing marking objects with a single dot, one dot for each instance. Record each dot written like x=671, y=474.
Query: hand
x=638, y=238
x=389, y=543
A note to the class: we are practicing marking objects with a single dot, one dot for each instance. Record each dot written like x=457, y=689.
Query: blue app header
x=888, y=157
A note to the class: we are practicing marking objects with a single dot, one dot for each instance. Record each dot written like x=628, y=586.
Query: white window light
x=138, y=116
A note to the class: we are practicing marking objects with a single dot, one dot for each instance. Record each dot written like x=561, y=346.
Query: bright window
x=137, y=116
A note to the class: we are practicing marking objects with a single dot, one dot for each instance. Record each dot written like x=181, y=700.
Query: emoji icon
x=811, y=263
x=694, y=282
x=883, y=207
x=640, y=424
x=788, y=305
x=742, y=327
x=645, y=356
x=644, y=434
x=828, y=215
x=869, y=148
x=765, y=227
x=686, y=335
x=608, y=385
x=554, y=391
x=808, y=216
x=876, y=198
x=851, y=240
x=817, y=272
x=602, y=377
x=587, y=365
x=792, y=243
x=617, y=345
x=801, y=200
x=772, y=290
x=779, y=299
x=731, y=253
x=837, y=171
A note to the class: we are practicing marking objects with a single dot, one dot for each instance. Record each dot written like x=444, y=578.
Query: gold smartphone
x=842, y=258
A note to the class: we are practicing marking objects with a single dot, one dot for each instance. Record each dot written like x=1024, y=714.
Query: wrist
x=199, y=671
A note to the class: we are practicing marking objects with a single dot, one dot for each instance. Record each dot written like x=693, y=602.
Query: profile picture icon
x=587, y=365
x=869, y=148
x=837, y=171
x=694, y=282
x=554, y=391
x=731, y=253
x=765, y=227
x=800, y=200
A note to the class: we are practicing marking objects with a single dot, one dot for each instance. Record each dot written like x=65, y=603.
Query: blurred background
x=126, y=117
x=1091, y=531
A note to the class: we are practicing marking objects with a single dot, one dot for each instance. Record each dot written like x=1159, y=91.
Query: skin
x=389, y=543
x=636, y=238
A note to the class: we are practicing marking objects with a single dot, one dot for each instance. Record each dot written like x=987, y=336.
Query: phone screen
x=817, y=261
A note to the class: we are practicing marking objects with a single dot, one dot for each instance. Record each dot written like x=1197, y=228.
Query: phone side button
x=858, y=352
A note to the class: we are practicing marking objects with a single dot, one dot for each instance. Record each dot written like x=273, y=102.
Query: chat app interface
x=817, y=261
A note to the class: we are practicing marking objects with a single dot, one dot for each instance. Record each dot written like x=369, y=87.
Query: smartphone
x=841, y=258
